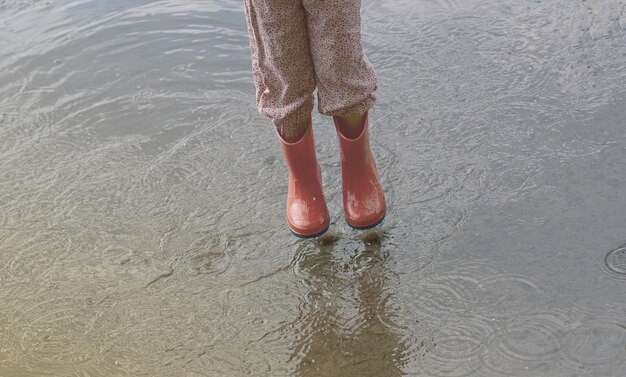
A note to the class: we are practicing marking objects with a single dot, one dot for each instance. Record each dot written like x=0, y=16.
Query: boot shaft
x=356, y=154
x=300, y=156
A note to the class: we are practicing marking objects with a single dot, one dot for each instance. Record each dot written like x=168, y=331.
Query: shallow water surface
x=141, y=197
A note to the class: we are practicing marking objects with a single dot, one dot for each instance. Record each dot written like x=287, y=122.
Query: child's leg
x=346, y=83
x=282, y=65
x=346, y=80
x=285, y=81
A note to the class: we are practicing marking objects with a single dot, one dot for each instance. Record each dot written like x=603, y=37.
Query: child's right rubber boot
x=363, y=198
x=307, y=214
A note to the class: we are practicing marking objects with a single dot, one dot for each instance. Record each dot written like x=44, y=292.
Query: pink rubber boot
x=307, y=214
x=363, y=198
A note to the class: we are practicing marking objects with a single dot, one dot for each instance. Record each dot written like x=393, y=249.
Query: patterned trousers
x=298, y=45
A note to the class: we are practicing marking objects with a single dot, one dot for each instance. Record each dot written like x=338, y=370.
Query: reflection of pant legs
x=345, y=79
x=281, y=60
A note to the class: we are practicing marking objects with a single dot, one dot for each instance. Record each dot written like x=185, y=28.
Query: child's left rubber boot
x=307, y=213
x=363, y=198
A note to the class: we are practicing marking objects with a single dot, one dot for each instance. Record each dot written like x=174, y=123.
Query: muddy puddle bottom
x=142, y=197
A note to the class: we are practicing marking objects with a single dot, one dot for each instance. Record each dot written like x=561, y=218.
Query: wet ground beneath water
x=142, y=197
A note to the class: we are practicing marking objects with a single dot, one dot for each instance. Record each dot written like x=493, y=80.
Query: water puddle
x=141, y=197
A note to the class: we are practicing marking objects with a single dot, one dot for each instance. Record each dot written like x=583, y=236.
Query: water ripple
x=456, y=348
x=596, y=346
x=52, y=337
x=526, y=343
x=615, y=262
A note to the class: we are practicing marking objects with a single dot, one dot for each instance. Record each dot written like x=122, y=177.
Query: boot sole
x=367, y=226
x=305, y=237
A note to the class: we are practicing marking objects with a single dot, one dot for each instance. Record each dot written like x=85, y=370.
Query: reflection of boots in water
x=307, y=214
x=346, y=326
x=363, y=198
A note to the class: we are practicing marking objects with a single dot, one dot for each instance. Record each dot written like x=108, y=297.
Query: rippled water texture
x=141, y=197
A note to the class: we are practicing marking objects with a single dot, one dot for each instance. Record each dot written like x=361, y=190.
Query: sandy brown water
x=142, y=197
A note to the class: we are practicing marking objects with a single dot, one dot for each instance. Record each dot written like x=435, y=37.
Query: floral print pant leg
x=298, y=45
